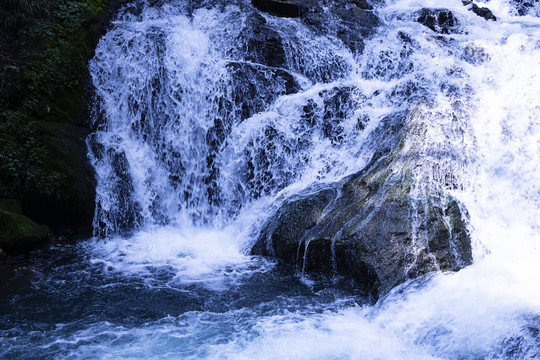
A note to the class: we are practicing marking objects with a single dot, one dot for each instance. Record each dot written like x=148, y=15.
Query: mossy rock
x=19, y=234
x=368, y=227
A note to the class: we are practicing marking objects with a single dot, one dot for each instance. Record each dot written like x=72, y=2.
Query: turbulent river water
x=197, y=142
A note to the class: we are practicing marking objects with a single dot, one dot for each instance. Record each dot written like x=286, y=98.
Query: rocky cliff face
x=370, y=227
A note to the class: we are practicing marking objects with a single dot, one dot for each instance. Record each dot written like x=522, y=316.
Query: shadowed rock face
x=17, y=232
x=71, y=213
x=367, y=227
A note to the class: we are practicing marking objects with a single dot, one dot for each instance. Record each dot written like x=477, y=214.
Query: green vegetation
x=44, y=48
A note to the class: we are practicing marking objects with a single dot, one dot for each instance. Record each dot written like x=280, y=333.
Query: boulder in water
x=483, y=12
x=441, y=21
x=369, y=227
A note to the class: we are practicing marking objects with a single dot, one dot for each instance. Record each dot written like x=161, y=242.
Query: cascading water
x=208, y=115
x=199, y=116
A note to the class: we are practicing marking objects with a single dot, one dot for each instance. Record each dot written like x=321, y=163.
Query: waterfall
x=209, y=115
x=201, y=114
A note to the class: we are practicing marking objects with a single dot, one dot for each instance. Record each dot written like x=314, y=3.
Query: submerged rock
x=369, y=227
x=523, y=7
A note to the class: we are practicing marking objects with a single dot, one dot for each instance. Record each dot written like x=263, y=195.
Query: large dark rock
x=354, y=25
x=441, y=21
x=257, y=86
x=350, y=21
x=368, y=227
x=361, y=4
x=45, y=96
x=262, y=44
x=483, y=12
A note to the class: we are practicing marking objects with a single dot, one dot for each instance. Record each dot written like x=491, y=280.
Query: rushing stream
x=203, y=126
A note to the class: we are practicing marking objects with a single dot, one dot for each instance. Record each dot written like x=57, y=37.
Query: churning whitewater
x=203, y=127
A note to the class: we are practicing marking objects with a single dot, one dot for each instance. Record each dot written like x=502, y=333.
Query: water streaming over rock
x=208, y=115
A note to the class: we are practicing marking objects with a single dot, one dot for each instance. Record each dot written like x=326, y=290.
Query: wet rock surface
x=483, y=12
x=441, y=21
x=278, y=8
x=70, y=213
x=367, y=227
x=524, y=7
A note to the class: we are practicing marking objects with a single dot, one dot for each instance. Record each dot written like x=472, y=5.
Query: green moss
x=19, y=233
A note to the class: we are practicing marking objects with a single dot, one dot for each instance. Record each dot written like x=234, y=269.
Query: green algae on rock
x=369, y=227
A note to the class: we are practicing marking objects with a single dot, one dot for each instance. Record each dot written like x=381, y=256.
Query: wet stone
x=441, y=21
x=483, y=12
x=362, y=228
